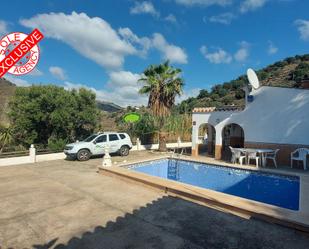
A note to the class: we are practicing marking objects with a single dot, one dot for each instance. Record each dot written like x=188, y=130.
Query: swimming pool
x=274, y=189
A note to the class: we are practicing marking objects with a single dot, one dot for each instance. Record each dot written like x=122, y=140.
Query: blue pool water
x=278, y=190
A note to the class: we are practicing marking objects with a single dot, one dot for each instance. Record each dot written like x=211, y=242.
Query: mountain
x=108, y=106
x=286, y=73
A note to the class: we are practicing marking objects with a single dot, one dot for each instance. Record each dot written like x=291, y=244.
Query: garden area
x=49, y=116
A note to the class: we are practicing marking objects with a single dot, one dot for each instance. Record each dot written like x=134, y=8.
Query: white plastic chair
x=272, y=156
x=300, y=155
x=236, y=155
x=253, y=156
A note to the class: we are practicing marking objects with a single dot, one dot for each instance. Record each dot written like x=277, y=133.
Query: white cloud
x=35, y=72
x=142, y=43
x=272, y=49
x=220, y=56
x=204, y=2
x=170, y=52
x=17, y=81
x=303, y=28
x=242, y=53
x=93, y=38
x=58, y=72
x=225, y=18
x=251, y=5
x=145, y=7
x=98, y=41
x=122, y=89
x=3, y=28
x=123, y=78
x=217, y=57
x=187, y=94
x=171, y=18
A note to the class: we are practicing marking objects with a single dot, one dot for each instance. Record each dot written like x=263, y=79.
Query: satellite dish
x=253, y=79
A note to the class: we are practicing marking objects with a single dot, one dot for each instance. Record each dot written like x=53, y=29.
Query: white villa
x=276, y=118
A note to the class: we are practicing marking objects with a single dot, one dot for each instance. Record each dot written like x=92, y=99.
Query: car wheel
x=83, y=155
x=124, y=150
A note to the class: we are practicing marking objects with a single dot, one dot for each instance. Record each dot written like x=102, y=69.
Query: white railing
x=34, y=158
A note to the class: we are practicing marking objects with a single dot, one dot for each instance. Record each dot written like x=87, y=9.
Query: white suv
x=96, y=143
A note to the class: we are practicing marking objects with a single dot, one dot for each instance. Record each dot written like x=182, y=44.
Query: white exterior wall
x=49, y=157
x=61, y=155
x=14, y=160
x=212, y=118
x=276, y=115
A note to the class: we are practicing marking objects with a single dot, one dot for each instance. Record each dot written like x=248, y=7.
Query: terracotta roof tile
x=218, y=109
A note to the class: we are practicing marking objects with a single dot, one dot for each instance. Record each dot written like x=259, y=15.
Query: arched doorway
x=232, y=135
x=206, y=140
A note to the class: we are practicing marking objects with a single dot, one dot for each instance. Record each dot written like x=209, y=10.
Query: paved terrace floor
x=66, y=204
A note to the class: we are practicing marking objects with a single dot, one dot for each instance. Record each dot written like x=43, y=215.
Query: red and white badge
x=19, y=52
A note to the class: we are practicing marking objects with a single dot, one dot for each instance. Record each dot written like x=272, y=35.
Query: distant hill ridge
x=108, y=106
x=285, y=73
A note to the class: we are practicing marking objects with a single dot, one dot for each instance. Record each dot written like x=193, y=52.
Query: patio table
x=262, y=152
x=183, y=149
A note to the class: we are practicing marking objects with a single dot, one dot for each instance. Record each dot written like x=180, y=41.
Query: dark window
x=101, y=139
x=89, y=139
x=113, y=137
x=122, y=136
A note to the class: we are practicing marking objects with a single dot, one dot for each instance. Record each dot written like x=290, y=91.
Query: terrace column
x=218, y=147
x=194, y=139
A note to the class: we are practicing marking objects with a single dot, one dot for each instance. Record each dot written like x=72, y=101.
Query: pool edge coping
x=213, y=198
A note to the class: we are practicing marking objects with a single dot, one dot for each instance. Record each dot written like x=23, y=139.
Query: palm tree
x=6, y=137
x=162, y=83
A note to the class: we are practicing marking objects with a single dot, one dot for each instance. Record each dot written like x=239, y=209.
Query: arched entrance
x=206, y=140
x=232, y=135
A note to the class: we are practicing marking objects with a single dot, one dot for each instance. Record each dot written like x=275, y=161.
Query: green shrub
x=301, y=72
x=56, y=144
x=38, y=113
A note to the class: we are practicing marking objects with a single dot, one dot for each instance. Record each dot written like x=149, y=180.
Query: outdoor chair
x=272, y=156
x=236, y=155
x=252, y=156
x=300, y=155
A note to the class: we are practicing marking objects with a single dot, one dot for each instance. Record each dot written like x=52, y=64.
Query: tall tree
x=45, y=114
x=162, y=83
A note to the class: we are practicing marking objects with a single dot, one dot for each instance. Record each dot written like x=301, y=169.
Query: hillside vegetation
x=286, y=73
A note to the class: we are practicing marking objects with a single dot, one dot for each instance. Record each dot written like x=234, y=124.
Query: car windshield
x=90, y=138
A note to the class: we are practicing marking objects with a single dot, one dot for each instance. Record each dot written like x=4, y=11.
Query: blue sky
x=106, y=45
